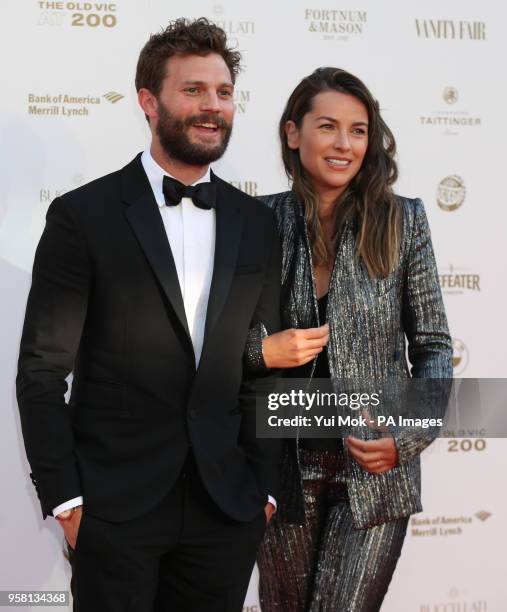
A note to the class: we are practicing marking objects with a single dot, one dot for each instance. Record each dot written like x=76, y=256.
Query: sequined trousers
x=326, y=564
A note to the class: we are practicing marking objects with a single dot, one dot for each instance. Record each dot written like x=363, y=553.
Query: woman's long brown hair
x=368, y=200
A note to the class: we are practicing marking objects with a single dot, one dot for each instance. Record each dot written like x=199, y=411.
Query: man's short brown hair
x=182, y=37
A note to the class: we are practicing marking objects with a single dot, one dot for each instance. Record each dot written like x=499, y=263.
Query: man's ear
x=148, y=102
x=292, y=133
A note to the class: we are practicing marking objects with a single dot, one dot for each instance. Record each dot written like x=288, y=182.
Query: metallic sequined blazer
x=370, y=320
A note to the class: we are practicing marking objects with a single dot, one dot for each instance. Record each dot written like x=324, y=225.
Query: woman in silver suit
x=358, y=278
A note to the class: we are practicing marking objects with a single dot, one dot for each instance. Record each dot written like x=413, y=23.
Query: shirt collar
x=156, y=173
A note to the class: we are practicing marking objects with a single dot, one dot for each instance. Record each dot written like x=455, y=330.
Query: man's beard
x=172, y=134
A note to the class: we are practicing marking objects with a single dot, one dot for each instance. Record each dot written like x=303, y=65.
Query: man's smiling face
x=195, y=108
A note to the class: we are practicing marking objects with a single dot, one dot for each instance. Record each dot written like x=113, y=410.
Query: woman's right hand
x=294, y=347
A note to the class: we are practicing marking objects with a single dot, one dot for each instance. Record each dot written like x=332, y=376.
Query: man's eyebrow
x=190, y=82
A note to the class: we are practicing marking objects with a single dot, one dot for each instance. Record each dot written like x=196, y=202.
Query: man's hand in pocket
x=70, y=521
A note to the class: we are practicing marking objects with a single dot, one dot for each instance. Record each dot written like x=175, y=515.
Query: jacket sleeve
x=54, y=320
x=253, y=359
x=425, y=325
x=264, y=454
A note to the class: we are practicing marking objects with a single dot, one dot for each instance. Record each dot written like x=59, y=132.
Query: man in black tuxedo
x=145, y=284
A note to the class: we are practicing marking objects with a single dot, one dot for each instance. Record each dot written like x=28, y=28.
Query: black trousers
x=185, y=555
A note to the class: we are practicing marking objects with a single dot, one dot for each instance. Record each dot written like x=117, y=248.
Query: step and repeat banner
x=70, y=114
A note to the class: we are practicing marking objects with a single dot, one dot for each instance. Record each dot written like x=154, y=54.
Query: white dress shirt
x=191, y=232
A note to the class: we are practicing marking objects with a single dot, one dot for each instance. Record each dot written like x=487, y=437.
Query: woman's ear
x=292, y=133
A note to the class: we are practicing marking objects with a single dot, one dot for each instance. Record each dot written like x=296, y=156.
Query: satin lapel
x=228, y=237
x=144, y=218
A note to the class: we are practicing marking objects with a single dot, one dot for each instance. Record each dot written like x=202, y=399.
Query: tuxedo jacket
x=105, y=304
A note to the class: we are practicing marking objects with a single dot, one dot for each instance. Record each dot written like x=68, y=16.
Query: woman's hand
x=375, y=456
x=294, y=347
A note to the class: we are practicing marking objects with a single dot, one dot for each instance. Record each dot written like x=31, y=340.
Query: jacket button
x=192, y=414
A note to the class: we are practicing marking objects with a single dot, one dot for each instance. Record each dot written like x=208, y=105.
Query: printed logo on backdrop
x=460, y=356
x=450, y=29
x=241, y=100
x=48, y=194
x=77, y=14
x=450, y=95
x=67, y=105
x=456, y=600
x=440, y=526
x=454, y=118
x=467, y=424
x=248, y=187
x=239, y=31
x=18, y=247
x=472, y=444
x=458, y=281
x=451, y=193
x=331, y=24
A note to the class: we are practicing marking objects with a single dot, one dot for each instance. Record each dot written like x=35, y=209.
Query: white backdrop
x=69, y=114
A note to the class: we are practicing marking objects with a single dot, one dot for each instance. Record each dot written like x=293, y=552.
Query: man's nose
x=210, y=102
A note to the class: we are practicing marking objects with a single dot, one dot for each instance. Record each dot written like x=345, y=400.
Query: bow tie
x=203, y=195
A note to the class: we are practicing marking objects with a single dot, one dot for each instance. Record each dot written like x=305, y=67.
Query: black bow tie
x=203, y=195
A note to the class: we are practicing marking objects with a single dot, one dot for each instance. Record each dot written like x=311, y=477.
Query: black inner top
x=321, y=371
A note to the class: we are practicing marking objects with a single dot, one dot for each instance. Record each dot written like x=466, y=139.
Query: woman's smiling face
x=332, y=141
